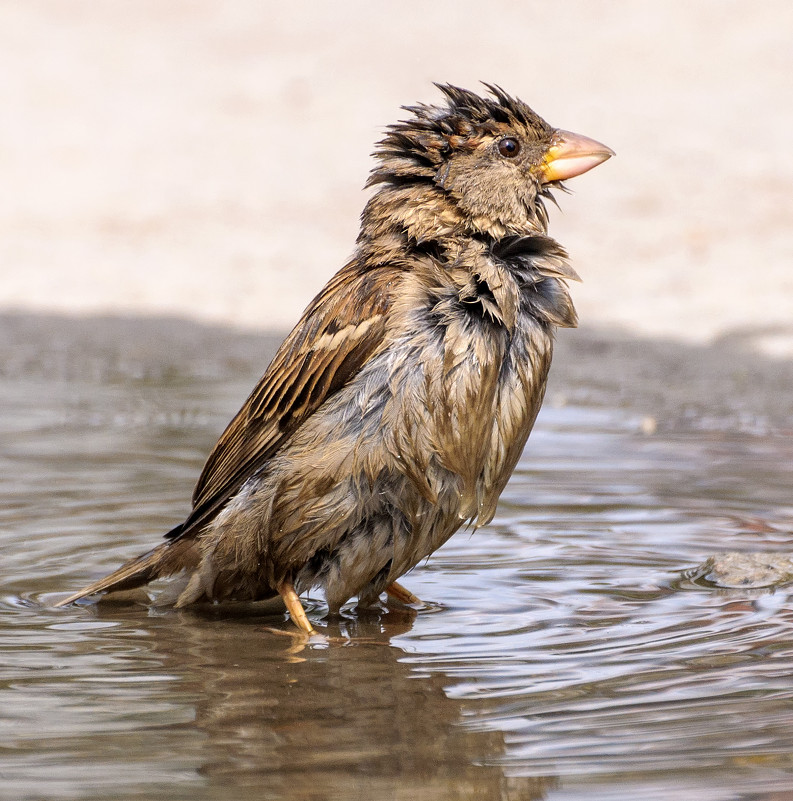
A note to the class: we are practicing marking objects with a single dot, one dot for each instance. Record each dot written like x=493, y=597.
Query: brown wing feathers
x=314, y=362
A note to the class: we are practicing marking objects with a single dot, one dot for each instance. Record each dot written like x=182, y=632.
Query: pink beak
x=571, y=154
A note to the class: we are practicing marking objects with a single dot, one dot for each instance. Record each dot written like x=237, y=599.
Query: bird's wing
x=343, y=327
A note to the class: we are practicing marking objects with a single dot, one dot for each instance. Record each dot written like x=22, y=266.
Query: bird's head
x=493, y=158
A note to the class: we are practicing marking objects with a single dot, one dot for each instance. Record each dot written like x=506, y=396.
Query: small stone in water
x=745, y=570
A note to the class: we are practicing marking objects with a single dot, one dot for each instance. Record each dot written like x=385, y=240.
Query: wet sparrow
x=397, y=408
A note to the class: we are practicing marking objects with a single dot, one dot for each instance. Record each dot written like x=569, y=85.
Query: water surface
x=566, y=651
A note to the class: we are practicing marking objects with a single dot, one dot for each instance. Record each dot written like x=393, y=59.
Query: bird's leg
x=399, y=593
x=287, y=591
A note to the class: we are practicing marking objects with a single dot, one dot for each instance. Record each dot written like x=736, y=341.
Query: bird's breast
x=465, y=389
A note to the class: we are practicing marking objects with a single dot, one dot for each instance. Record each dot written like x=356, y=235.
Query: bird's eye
x=509, y=147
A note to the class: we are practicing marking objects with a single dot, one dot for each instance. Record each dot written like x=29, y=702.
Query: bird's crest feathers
x=417, y=146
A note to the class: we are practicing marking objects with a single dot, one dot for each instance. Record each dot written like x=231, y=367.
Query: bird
x=397, y=408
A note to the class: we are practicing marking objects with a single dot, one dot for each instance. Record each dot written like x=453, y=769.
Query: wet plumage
x=398, y=407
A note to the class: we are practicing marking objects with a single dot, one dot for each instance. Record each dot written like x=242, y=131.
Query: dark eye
x=509, y=147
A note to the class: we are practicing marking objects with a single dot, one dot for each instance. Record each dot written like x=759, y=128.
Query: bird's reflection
x=320, y=720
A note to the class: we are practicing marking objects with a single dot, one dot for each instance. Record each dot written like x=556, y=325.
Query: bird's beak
x=571, y=154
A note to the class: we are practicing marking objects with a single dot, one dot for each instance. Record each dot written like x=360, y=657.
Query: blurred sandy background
x=205, y=159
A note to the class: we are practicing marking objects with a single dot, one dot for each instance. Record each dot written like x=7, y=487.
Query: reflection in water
x=321, y=722
x=570, y=654
x=214, y=702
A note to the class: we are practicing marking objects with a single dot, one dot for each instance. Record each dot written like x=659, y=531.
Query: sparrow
x=396, y=410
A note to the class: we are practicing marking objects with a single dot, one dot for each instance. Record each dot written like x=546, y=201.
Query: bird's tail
x=160, y=562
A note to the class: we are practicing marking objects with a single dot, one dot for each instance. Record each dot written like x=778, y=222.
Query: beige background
x=205, y=159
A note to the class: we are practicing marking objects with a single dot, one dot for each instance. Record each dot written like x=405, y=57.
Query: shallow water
x=566, y=651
